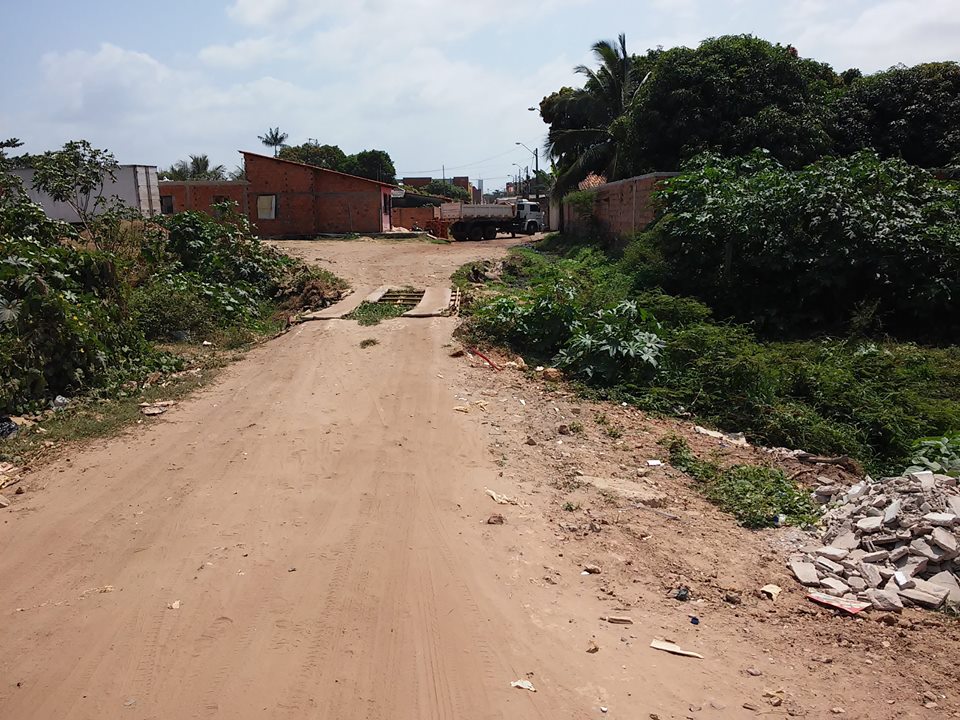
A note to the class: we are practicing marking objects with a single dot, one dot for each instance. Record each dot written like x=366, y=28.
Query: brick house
x=286, y=199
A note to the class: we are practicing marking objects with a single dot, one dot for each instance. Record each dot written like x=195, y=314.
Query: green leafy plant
x=369, y=342
x=756, y=496
x=937, y=454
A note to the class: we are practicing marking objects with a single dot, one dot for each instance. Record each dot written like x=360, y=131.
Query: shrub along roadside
x=75, y=319
x=869, y=400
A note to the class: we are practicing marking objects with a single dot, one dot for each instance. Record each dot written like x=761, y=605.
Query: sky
x=442, y=85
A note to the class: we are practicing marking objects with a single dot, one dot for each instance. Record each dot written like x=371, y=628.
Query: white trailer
x=483, y=222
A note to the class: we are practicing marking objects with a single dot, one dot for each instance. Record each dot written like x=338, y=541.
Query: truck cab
x=529, y=216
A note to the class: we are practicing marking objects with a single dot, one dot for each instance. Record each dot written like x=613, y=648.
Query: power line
x=457, y=167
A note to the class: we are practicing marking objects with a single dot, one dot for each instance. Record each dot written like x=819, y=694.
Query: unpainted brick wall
x=202, y=194
x=408, y=217
x=622, y=208
x=311, y=201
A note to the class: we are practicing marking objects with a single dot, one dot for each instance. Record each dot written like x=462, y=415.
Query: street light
x=536, y=157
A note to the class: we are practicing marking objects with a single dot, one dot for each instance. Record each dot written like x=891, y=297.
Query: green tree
x=9, y=182
x=906, y=112
x=76, y=175
x=311, y=152
x=373, y=164
x=198, y=167
x=588, y=128
x=730, y=95
x=273, y=138
x=445, y=188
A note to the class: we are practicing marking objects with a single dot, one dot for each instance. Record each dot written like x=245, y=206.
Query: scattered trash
x=175, y=605
x=206, y=343
x=8, y=428
x=618, y=619
x=591, y=569
x=501, y=499
x=654, y=463
x=603, y=709
x=780, y=520
x=682, y=594
x=495, y=519
x=670, y=647
x=851, y=606
x=59, y=402
x=156, y=408
x=523, y=685
x=732, y=438
x=694, y=620
x=490, y=362
x=593, y=648
x=771, y=591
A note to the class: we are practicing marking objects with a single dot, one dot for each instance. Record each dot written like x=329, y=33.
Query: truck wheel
x=476, y=232
x=532, y=227
x=489, y=232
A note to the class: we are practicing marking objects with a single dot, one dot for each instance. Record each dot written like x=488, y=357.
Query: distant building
x=286, y=199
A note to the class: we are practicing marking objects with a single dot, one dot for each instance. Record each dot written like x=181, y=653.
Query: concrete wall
x=621, y=208
x=135, y=185
x=408, y=217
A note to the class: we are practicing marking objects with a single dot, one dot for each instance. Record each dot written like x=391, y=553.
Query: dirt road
x=308, y=539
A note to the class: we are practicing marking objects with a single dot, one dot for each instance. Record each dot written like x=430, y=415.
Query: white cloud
x=244, y=53
x=431, y=81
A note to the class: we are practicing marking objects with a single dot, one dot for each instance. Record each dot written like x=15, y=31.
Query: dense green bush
x=73, y=319
x=64, y=320
x=857, y=243
x=663, y=352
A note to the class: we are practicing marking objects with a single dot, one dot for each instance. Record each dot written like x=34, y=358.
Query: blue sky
x=433, y=82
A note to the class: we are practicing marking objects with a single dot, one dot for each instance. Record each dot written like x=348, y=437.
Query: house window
x=267, y=207
x=166, y=204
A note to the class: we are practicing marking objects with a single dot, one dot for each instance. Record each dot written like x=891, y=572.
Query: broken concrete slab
x=940, y=519
x=828, y=566
x=949, y=581
x=871, y=574
x=923, y=598
x=944, y=539
x=338, y=310
x=832, y=586
x=805, y=572
x=884, y=600
x=832, y=553
x=434, y=303
x=869, y=524
x=846, y=540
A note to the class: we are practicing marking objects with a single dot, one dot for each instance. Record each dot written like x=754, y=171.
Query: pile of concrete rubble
x=890, y=542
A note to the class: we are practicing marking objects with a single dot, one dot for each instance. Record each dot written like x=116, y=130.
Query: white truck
x=483, y=222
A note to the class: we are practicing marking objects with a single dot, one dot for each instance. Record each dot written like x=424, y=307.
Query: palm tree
x=588, y=126
x=273, y=138
x=197, y=168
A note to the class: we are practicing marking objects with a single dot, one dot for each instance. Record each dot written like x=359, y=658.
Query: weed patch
x=374, y=313
x=756, y=496
x=369, y=342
